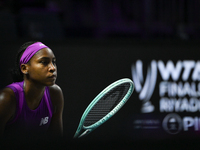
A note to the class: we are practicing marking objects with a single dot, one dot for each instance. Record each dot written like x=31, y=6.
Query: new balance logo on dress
x=44, y=121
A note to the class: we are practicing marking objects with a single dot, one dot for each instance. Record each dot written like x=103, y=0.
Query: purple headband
x=30, y=51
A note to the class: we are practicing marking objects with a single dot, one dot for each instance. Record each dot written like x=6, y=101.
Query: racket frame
x=90, y=128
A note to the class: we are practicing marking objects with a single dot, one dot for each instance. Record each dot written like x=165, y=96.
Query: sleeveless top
x=29, y=122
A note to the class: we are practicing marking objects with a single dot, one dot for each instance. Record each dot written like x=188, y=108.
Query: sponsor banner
x=169, y=93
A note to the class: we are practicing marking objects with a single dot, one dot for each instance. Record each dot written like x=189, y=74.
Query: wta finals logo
x=147, y=90
x=179, y=86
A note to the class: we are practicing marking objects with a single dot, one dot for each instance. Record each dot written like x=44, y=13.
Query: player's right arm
x=7, y=107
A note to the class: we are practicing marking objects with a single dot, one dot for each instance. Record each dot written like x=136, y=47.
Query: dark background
x=95, y=43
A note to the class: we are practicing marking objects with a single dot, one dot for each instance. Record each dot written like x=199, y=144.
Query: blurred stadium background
x=140, y=19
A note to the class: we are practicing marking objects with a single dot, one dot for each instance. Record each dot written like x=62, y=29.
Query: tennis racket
x=104, y=106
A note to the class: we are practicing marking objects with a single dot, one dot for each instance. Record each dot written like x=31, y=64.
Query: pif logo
x=172, y=123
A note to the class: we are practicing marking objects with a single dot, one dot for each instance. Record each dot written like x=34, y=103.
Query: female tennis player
x=32, y=105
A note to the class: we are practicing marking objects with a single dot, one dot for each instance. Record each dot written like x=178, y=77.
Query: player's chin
x=50, y=82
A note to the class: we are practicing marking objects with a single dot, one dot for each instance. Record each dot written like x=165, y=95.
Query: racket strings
x=106, y=104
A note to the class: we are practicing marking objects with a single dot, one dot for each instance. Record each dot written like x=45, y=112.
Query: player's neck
x=33, y=92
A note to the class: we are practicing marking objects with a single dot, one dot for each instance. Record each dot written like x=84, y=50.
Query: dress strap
x=48, y=101
x=18, y=90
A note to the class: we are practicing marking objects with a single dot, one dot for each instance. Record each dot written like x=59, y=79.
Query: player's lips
x=52, y=76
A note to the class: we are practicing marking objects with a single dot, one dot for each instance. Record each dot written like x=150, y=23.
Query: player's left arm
x=56, y=125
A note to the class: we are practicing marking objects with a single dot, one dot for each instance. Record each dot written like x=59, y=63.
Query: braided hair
x=16, y=73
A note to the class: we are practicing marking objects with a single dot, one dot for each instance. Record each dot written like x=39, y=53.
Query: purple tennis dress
x=27, y=121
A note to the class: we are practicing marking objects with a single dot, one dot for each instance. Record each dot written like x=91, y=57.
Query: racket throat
x=86, y=132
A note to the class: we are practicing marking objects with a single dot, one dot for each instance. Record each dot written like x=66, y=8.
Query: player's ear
x=24, y=68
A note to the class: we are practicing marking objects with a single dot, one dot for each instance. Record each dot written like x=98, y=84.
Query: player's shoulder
x=7, y=97
x=55, y=89
x=7, y=93
x=56, y=93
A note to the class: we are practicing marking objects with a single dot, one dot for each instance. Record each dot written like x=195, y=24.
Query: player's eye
x=54, y=61
x=44, y=62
